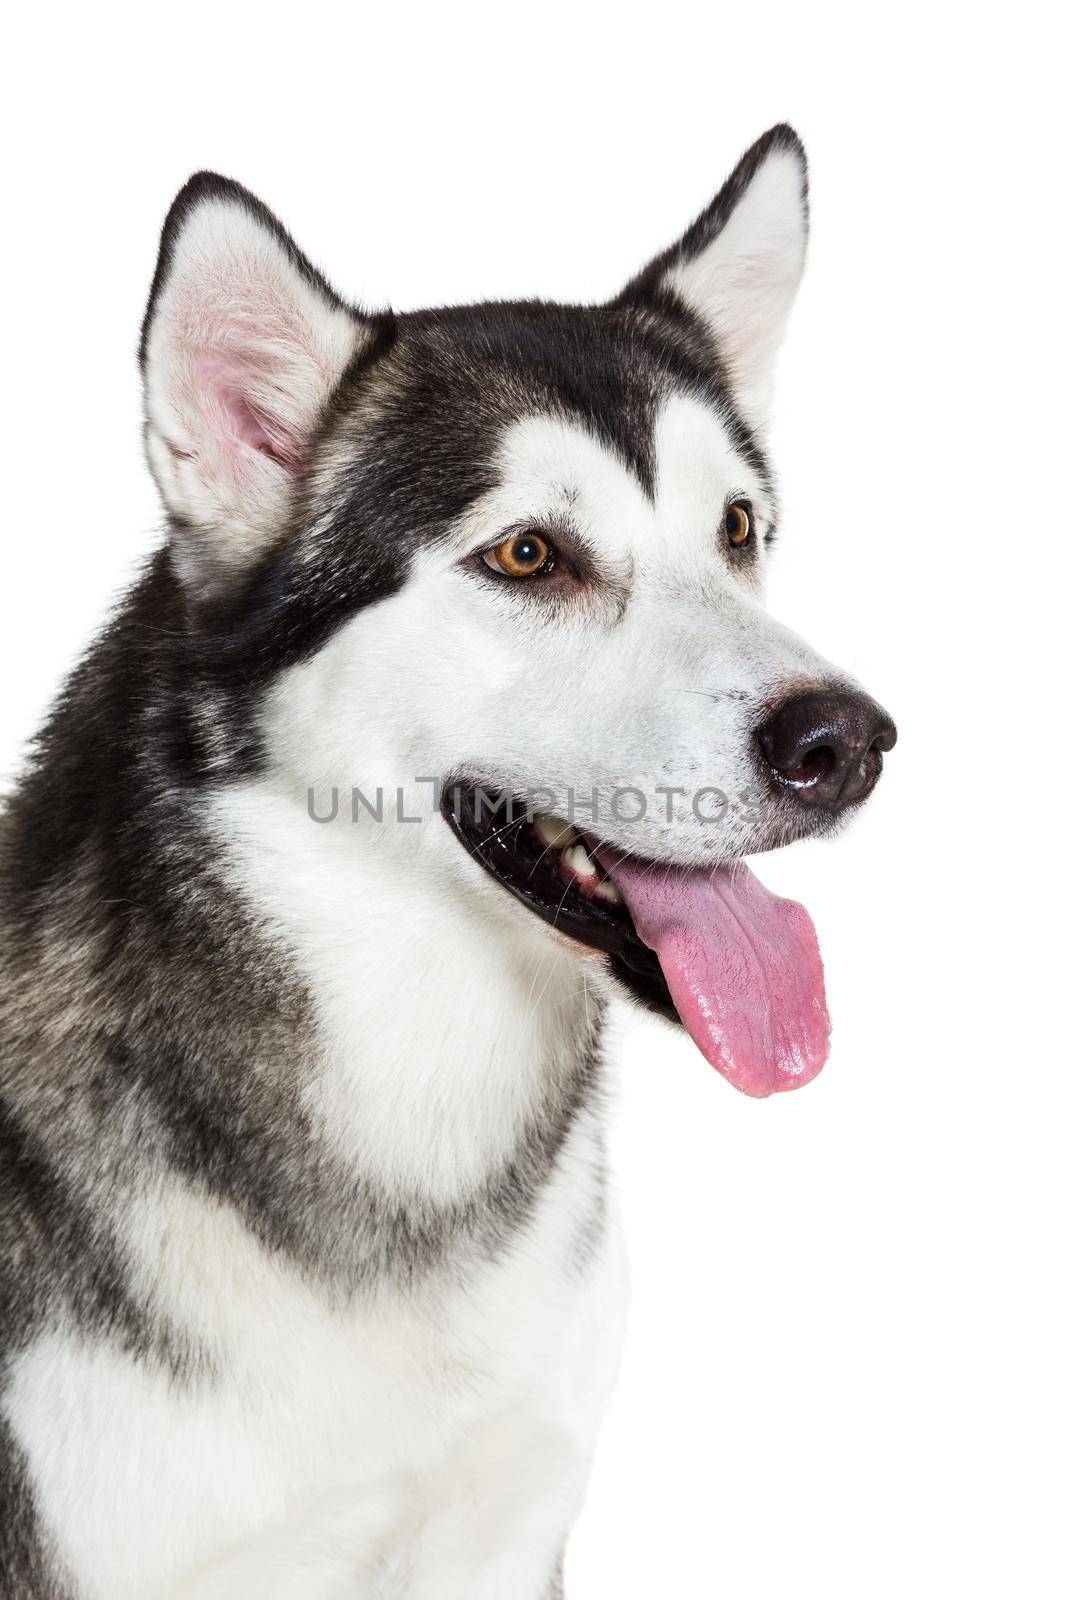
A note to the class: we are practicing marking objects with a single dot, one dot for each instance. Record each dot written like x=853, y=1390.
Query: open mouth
x=706, y=946
x=544, y=862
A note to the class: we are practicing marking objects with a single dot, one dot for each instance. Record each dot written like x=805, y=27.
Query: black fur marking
x=647, y=288
x=56, y=1260
x=26, y=1570
x=245, y=1140
x=58, y=1266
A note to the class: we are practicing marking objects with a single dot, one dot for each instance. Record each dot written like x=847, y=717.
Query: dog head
x=520, y=549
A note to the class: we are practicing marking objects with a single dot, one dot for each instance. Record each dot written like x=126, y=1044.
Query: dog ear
x=242, y=345
x=737, y=268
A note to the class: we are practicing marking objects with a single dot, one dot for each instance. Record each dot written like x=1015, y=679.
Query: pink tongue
x=743, y=968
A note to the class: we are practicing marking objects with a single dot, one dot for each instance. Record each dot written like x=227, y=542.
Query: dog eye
x=523, y=555
x=737, y=524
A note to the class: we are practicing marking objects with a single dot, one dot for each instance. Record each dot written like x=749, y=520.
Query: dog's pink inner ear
x=244, y=349
x=243, y=345
x=254, y=371
x=238, y=415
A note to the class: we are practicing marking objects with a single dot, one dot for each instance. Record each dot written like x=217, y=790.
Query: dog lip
x=493, y=846
x=515, y=857
x=516, y=854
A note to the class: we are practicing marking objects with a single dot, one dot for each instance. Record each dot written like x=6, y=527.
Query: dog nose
x=826, y=746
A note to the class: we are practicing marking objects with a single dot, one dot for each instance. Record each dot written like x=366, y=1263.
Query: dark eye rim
x=543, y=570
x=739, y=503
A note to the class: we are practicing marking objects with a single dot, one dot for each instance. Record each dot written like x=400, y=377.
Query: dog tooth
x=553, y=831
x=578, y=859
x=606, y=890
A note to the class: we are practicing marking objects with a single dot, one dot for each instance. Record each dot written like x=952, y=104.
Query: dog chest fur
x=439, y=1434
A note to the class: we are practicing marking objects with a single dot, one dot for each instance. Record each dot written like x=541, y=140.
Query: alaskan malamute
x=448, y=710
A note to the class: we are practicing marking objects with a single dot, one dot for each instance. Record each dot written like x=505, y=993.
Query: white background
x=845, y=1372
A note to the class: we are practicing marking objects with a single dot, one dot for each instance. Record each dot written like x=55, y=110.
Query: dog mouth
x=706, y=946
x=547, y=864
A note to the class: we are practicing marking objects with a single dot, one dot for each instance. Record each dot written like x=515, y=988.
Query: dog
x=449, y=709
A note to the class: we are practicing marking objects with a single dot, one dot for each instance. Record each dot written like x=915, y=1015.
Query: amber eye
x=523, y=555
x=738, y=524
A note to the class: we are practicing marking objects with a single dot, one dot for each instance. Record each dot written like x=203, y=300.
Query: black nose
x=826, y=746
